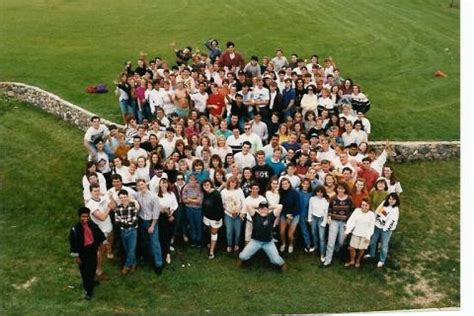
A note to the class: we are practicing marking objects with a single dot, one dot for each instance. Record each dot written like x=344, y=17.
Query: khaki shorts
x=358, y=242
x=210, y=222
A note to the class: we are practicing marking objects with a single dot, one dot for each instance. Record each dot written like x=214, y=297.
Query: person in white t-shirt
x=100, y=215
x=166, y=98
x=251, y=202
x=245, y=158
x=93, y=133
x=136, y=151
x=200, y=98
x=260, y=128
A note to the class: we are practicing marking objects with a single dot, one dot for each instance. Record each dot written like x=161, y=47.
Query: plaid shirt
x=126, y=217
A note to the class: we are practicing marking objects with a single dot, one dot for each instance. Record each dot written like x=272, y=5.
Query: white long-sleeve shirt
x=168, y=201
x=388, y=221
x=318, y=207
x=233, y=200
x=361, y=224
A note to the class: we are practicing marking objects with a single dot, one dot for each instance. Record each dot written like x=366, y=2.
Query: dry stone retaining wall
x=402, y=151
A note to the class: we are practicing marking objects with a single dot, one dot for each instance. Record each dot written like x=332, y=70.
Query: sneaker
x=172, y=248
x=236, y=249
x=323, y=258
x=290, y=249
x=185, y=238
x=193, y=245
x=172, y=241
x=110, y=256
x=229, y=249
x=380, y=264
x=168, y=258
x=348, y=264
x=357, y=265
x=306, y=249
x=282, y=248
x=367, y=256
x=211, y=256
x=312, y=249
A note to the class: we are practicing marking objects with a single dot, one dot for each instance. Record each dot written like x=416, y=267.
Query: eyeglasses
x=246, y=128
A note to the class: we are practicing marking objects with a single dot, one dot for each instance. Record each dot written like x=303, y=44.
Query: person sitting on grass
x=263, y=221
x=85, y=238
x=361, y=224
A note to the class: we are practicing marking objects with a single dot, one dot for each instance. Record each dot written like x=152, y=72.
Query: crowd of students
x=264, y=151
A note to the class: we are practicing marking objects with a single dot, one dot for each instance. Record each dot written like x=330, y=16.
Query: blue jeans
x=304, y=228
x=319, y=233
x=384, y=238
x=268, y=246
x=151, y=242
x=129, y=241
x=232, y=227
x=180, y=227
x=194, y=215
x=335, y=239
x=125, y=106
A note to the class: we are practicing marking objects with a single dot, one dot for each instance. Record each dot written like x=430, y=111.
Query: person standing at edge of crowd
x=85, y=238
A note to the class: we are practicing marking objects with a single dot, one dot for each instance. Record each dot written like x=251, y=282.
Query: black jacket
x=76, y=238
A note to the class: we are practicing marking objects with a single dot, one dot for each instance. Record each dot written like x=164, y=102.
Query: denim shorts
x=294, y=221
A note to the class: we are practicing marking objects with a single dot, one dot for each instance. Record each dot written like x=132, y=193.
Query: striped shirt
x=149, y=205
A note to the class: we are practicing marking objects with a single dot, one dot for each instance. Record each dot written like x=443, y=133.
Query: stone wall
x=50, y=103
x=402, y=151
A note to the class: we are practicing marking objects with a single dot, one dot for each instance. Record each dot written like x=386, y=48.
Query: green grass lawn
x=392, y=48
x=41, y=167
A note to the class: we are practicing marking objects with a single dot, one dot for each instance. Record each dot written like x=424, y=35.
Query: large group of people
x=271, y=154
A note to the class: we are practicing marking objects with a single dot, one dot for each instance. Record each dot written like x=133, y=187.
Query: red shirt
x=225, y=60
x=369, y=175
x=357, y=198
x=216, y=99
x=88, y=237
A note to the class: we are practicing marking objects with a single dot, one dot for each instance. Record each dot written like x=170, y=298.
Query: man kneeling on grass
x=263, y=222
x=85, y=238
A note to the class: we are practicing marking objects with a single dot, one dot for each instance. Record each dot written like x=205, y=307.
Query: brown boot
x=125, y=270
x=284, y=267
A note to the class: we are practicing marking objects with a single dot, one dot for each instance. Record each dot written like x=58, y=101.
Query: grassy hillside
x=391, y=48
x=40, y=170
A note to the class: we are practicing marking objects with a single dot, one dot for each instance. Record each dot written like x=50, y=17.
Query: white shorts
x=358, y=242
x=210, y=222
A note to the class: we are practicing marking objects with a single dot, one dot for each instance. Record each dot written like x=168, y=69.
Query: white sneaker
x=168, y=259
x=185, y=238
x=290, y=249
x=380, y=264
x=282, y=248
x=172, y=248
x=367, y=256
x=323, y=258
x=312, y=249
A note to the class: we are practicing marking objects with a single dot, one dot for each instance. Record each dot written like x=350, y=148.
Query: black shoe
x=88, y=296
x=158, y=270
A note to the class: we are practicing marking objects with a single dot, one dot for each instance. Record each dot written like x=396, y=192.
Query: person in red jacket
x=230, y=58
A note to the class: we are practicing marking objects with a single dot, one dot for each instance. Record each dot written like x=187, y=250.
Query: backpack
x=101, y=88
x=91, y=89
